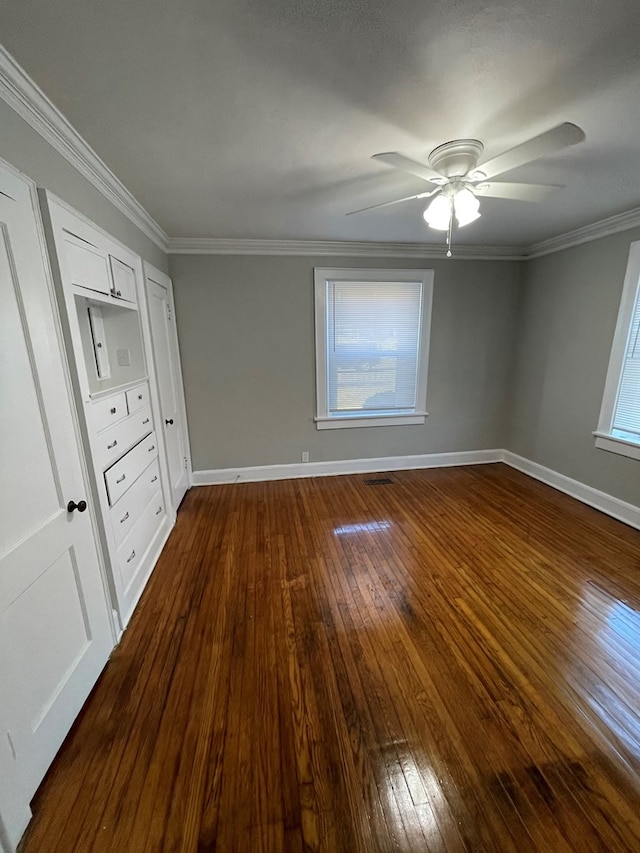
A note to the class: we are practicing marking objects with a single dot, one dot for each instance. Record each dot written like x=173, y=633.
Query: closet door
x=55, y=629
x=166, y=356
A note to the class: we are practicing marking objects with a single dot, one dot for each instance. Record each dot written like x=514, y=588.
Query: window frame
x=322, y=275
x=605, y=440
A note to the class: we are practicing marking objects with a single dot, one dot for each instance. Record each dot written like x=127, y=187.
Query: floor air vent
x=378, y=481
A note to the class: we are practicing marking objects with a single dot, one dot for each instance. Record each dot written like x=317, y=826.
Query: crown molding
x=336, y=248
x=601, y=228
x=222, y=246
x=24, y=96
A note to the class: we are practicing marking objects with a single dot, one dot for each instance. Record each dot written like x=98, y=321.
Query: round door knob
x=80, y=506
x=168, y=421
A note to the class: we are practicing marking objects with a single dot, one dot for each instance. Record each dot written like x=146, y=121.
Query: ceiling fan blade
x=405, y=164
x=395, y=201
x=546, y=143
x=517, y=192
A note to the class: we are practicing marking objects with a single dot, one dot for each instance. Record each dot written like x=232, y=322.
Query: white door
x=55, y=629
x=166, y=358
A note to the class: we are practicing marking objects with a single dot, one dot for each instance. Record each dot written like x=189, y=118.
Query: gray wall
x=516, y=364
x=567, y=315
x=247, y=343
x=27, y=151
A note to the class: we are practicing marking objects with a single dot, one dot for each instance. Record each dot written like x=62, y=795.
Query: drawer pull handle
x=153, y=479
x=113, y=410
x=159, y=510
x=139, y=396
x=121, y=478
x=131, y=556
x=113, y=444
x=145, y=421
x=124, y=517
x=153, y=447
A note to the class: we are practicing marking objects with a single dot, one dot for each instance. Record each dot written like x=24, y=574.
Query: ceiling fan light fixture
x=467, y=207
x=438, y=214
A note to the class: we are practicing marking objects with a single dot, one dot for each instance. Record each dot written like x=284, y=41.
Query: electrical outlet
x=305, y=455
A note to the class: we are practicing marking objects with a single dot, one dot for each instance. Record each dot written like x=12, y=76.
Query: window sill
x=615, y=444
x=370, y=421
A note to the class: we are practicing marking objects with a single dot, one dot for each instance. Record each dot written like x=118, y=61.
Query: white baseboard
x=295, y=470
x=626, y=512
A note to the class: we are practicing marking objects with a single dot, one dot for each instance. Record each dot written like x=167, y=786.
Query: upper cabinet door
x=87, y=266
x=124, y=280
x=55, y=628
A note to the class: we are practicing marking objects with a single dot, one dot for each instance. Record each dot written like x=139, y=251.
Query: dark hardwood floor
x=446, y=663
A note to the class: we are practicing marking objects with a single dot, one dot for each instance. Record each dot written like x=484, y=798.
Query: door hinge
x=185, y=461
x=169, y=316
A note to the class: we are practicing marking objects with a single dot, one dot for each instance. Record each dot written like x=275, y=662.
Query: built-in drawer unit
x=129, y=508
x=105, y=307
x=133, y=548
x=108, y=411
x=137, y=397
x=110, y=444
x=126, y=471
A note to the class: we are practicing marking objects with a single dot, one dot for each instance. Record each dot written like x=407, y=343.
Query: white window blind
x=373, y=344
x=626, y=417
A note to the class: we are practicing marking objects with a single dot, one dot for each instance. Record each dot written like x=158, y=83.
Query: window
x=372, y=336
x=619, y=425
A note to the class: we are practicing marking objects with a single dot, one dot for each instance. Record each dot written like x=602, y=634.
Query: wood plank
x=446, y=663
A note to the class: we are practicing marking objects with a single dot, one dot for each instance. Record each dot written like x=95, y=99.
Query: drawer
x=87, y=266
x=103, y=413
x=110, y=444
x=136, y=542
x=124, y=280
x=127, y=470
x=130, y=506
x=137, y=397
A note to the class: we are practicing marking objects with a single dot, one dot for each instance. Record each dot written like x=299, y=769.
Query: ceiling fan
x=459, y=180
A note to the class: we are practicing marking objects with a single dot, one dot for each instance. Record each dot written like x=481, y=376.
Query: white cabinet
x=108, y=411
x=100, y=288
x=125, y=513
x=137, y=397
x=124, y=280
x=110, y=444
x=136, y=544
x=123, y=474
x=87, y=266
x=91, y=266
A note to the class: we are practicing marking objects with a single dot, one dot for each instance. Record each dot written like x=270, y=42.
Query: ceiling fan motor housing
x=456, y=158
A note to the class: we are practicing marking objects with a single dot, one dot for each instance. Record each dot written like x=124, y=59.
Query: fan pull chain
x=450, y=234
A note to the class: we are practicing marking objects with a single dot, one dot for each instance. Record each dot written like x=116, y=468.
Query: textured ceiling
x=257, y=118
